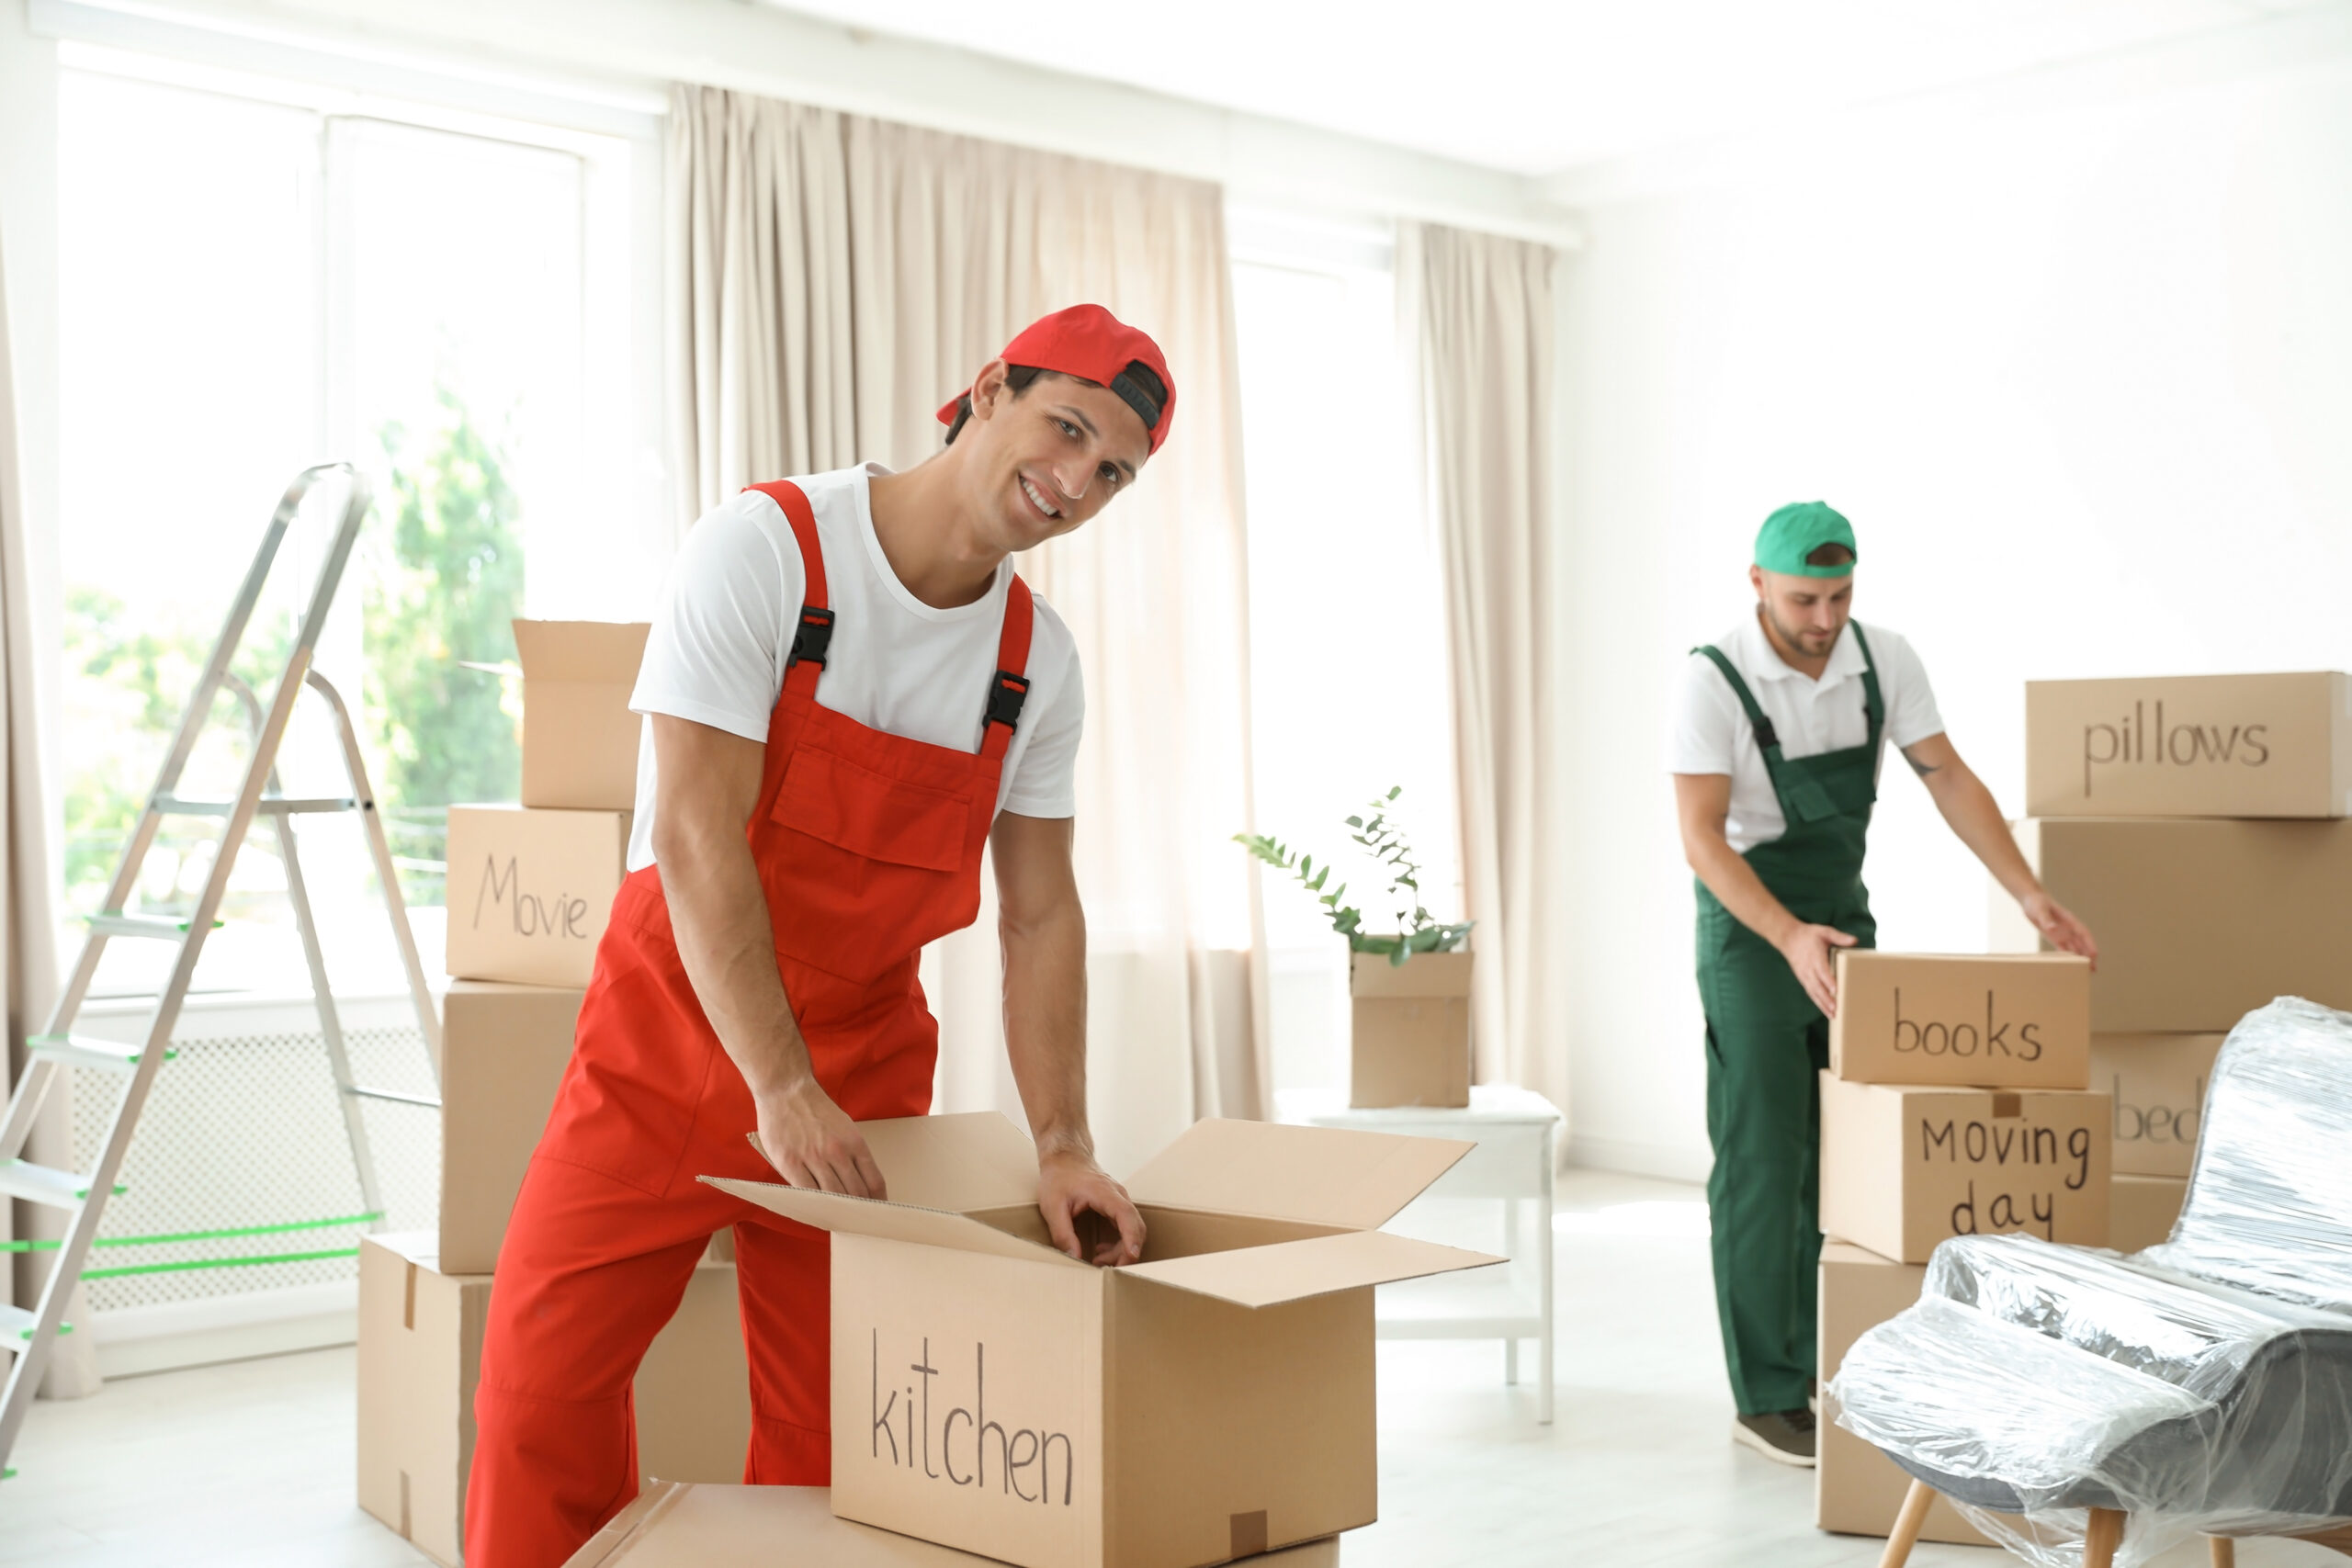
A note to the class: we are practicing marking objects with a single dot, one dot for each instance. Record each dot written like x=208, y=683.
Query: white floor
x=251, y=1463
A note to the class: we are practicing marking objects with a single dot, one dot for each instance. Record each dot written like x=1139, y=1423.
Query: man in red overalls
x=850, y=694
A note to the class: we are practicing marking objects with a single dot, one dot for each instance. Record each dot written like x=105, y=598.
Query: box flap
x=891, y=1222
x=1324, y=1175
x=1293, y=1270
x=605, y=652
x=961, y=1164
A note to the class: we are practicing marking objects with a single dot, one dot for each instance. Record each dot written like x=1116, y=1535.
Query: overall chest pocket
x=868, y=866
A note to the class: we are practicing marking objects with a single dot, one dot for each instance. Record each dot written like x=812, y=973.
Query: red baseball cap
x=1087, y=342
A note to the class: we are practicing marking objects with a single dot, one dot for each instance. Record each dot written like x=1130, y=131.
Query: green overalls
x=1765, y=1043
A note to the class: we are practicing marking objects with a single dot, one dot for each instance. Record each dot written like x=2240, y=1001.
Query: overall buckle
x=1006, y=695
x=813, y=638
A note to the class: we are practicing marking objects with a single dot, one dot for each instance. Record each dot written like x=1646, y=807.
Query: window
x=1348, y=651
x=257, y=275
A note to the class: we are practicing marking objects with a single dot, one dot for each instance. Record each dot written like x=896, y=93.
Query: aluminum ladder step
x=16, y=1324
x=269, y=805
x=112, y=924
x=46, y=1185
x=85, y=1051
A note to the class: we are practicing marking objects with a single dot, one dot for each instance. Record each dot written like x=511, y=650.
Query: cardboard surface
x=2190, y=746
x=684, y=1525
x=419, y=1355
x=1324, y=1175
x=2142, y=1210
x=2199, y=921
x=1857, y=1489
x=503, y=1049
x=2158, y=1084
x=2010, y=1022
x=1408, y=1030
x=580, y=740
x=1212, y=1402
x=529, y=891
x=1903, y=1167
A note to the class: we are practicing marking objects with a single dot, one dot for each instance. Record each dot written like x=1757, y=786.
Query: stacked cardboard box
x=2198, y=825
x=1957, y=1102
x=530, y=889
x=530, y=886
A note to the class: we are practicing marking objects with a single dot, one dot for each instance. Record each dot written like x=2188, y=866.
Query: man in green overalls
x=1775, y=756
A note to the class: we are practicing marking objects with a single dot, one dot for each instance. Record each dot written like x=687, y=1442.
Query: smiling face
x=1045, y=457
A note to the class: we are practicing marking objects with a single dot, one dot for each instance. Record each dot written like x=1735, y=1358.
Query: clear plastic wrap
x=2200, y=1387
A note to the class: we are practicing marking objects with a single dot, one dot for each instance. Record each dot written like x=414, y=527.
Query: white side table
x=1514, y=1130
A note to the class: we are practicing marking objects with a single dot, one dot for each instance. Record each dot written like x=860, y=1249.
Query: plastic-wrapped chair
x=2084, y=1408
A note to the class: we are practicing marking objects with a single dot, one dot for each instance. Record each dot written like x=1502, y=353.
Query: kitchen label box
x=1209, y=1403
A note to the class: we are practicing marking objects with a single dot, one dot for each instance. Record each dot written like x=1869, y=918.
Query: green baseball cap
x=1794, y=532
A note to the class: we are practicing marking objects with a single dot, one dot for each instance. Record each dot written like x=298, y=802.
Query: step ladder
x=29, y=1335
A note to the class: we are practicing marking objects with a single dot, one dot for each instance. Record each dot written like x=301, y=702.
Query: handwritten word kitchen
x=906, y=1436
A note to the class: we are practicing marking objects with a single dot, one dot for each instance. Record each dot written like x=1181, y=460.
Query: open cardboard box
x=1212, y=1402
x=681, y=1525
x=580, y=739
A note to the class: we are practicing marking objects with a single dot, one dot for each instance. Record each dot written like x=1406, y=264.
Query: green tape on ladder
x=230, y=1233
x=217, y=1263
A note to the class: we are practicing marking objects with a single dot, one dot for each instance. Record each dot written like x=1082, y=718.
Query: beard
x=1799, y=637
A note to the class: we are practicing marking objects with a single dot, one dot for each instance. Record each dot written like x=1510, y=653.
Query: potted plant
x=1408, y=988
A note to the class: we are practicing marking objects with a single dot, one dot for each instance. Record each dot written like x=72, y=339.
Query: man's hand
x=2058, y=923
x=812, y=1142
x=1810, y=951
x=1090, y=1215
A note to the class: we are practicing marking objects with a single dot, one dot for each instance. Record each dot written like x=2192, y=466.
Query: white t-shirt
x=718, y=649
x=1712, y=734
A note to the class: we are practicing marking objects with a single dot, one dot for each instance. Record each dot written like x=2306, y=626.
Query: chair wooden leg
x=1905, y=1533
x=2105, y=1534
x=2224, y=1551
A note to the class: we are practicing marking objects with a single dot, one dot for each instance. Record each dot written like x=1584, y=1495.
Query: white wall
x=2081, y=373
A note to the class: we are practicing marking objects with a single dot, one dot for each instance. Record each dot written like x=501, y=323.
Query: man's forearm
x=719, y=914
x=1975, y=820
x=1045, y=1025
x=1736, y=886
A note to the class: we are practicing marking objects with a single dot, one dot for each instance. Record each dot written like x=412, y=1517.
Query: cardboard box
x=674, y=1525
x=1857, y=1489
x=529, y=891
x=503, y=1049
x=1903, y=1168
x=1213, y=1401
x=2190, y=746
x=2200, y=921
x=419, y=1355
x=580, y=740
x=2158, y=1084
x=2019, y=1020
x=2142, y=1210
x=1410, y=1030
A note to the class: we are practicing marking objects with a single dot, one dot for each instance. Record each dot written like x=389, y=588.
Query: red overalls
x=868, y=846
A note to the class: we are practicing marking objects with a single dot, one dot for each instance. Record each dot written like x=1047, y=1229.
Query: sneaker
x=1784, y=1437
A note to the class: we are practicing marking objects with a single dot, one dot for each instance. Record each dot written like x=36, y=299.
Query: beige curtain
x=1479, y=318
x=27, y=929
x=838, y=278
